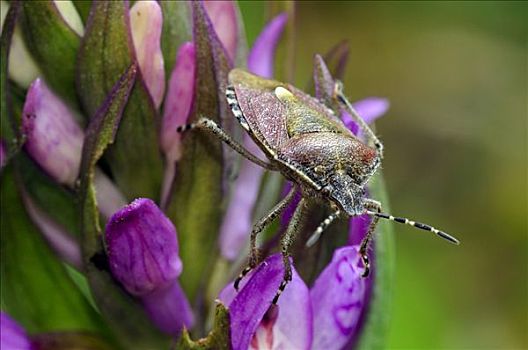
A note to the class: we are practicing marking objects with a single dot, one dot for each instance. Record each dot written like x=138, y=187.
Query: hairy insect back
x=276, y=112
x=262, y=111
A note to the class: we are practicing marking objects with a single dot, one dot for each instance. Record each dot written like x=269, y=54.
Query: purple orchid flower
x=254, y=325
x=339, y=298
x=143, y=256
x=12, y=335
x=326, y=317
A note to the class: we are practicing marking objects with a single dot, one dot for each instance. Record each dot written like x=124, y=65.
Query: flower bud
x=12, y=335
x=179, y=101
x=143, y=256
x=53, y=138
x=142, y=248
x=146, y=22
x=177, y=108
x=223, y=17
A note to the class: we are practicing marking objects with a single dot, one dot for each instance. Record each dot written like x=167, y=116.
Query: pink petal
x=179, y=101
x=3, y=154
x=146, y=22
x=53, y=137
x=223, y=16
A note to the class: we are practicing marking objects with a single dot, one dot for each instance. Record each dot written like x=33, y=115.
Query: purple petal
x=249, y=306
x=290, y=209
x=223, y=16
x=53, y=138
x=358, y=227
x=62, y=242
x=369, y=109
x=179, y=101
x=3, y=154
x=293, y=328
x=237, y=222
x=339, y=296
x=146, y=22
x=12, y=335
x=142, y=248
x=169, y=308
x=261, y=56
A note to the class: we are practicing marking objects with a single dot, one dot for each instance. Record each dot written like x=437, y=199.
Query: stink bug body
x=306, y=141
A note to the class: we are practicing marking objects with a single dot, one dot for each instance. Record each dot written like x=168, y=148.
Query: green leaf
x=124, y=314
x=198, y=197
x=7, y=123
x=375, y=330
x=36, y=290
x=176, y=30
x=218, y=339
x=106, y=52
x=53, y=45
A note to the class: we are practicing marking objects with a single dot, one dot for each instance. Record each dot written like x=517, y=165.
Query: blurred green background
x=456, y=155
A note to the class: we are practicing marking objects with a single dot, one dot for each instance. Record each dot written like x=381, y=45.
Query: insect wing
x=262, y=111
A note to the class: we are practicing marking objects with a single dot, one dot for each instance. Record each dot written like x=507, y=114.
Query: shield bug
x=306, y=141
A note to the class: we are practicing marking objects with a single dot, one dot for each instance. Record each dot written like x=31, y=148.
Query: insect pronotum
x=304, y=139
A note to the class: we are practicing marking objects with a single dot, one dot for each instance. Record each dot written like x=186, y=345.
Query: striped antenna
x=417, y=225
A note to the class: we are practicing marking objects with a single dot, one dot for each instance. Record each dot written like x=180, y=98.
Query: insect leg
x=369, y=204
x=259, y=227
x=286, y=242
x=364, y=127
x=322, y=226
x=212, y=127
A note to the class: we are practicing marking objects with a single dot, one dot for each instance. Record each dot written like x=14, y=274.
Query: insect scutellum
x=304, y=139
